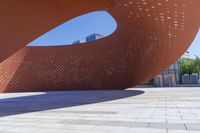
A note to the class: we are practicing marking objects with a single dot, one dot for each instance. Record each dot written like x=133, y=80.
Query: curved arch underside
x=151, y=35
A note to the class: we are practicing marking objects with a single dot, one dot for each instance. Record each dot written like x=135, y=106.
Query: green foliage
x=196, y=64
x=190, y=66
x=186, y=67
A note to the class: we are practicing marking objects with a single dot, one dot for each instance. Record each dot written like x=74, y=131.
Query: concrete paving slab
x=135, y=110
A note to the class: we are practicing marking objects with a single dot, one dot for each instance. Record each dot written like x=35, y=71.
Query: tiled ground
x=137, y=110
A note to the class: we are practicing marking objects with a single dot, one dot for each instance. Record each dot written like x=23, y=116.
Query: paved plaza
x=136, y=110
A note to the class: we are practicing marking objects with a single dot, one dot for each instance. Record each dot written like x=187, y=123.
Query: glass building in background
x=170, y=77
x=89, y=38
x=76, y=42
x=93, y=37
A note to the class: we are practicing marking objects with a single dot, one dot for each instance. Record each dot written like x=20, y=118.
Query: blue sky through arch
x=78, y=28
x=194, y=49
x=95, y=22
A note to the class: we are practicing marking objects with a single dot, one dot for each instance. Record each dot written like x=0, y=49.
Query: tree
x=190, y=66
x=186, y=67
x=196, y=65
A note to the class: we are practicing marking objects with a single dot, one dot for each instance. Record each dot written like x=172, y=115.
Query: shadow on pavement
x=54, y=100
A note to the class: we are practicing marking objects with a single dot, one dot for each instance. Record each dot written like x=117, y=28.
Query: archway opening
x=88, y=27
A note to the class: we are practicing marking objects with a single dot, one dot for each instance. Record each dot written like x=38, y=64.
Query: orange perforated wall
x=150, y=36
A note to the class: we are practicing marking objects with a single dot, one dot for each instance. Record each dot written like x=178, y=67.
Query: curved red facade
x=151, y=35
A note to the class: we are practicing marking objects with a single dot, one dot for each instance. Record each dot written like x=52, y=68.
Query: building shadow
x=22, y=103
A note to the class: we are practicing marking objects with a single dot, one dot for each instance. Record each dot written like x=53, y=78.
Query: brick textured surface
x=150, y=36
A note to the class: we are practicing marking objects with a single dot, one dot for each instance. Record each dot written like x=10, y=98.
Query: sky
x=78, y=28
x=194, y=49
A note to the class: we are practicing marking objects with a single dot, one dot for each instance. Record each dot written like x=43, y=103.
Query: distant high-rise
x=76, y=42
x=93, y=37
x=90, y=38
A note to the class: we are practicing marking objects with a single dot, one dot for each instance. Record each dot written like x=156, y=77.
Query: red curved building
x=150, y=35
